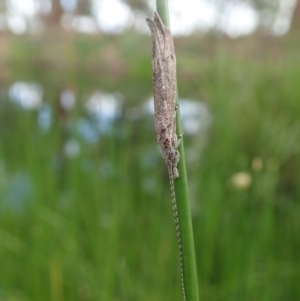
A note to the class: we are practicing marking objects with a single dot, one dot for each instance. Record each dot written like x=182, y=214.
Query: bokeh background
x=85, y=210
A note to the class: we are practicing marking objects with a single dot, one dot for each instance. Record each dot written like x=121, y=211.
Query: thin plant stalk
x=182, y=198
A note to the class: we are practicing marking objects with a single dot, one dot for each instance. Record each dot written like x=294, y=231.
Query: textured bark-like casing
x=164, y=86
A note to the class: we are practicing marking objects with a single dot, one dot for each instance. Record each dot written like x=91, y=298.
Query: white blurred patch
x=16, y=23
x=85, y=24
x=44, y=6
x=112, y=15
x=67, y=100
x=68, y=5
x=284, y=17
x=82, y=24
x=72, y=148
x=103, y=104
x=190, y=15
x=27, y=95
x=195, y=116
x=25, y=7
x=239, y=20
x=104, y=108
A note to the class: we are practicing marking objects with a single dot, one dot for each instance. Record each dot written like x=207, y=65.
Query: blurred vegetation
x=98, y=225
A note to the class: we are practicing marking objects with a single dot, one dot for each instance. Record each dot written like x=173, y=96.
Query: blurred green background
x=85, y=211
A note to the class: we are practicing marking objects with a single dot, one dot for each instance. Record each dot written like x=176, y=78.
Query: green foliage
x=98, y=226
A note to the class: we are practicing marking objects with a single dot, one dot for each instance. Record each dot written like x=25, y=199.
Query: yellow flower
x=241, y=180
